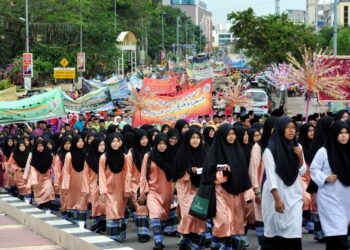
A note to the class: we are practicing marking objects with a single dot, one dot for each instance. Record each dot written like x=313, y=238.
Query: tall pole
x=115, y=14
x=277, y=7
x=177, y=40
x=200, y=39
x=186, y=38
x=163, y=29
x=335, y=28
x=81, y=28
x=27, y=79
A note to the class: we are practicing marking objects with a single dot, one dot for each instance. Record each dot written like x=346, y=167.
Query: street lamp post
x=163, y=29
x=27, y=79
x=335, y=28
x=177, y=40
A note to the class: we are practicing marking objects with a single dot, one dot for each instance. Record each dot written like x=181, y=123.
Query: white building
x=298, y=16
x=319, y=13
x=222, y=36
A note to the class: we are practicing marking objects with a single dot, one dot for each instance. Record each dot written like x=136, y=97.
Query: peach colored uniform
x=73, y=181
x=58, y=166
x=256, y=171
x=229, y=218
x=185, y=194
x=22, y=187
x=134, y=181
x=90, y=186
x=9, y=179
x=159, y=191
x=113, y=186
x=43, y=189
x=305, y=180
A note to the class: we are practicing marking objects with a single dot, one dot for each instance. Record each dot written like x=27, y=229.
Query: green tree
x=325, y=39
x=268, y=39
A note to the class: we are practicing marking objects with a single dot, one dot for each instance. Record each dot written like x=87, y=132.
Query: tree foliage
x=325, y=39
x=268, y=39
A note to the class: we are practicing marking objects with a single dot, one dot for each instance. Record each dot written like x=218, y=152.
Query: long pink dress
x=305, y=179
x=9, y=179
x=73, y=181
x=113, y=186
x=90, y=186
x=229, y=219
x=21, y=185
x=185, y=194
x=43, y=188
x=256, y=171
x=58, y=174
x=134, y=177
x=158, y=190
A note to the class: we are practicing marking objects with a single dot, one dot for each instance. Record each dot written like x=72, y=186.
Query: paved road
x=14, y=236
x=297, y=105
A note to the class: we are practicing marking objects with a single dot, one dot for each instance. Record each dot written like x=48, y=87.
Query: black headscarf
x=321, y=133
x=172, y=149
x=6, y=149
x=240, y=131
x=21, y=156
x=56, y=142
x=269, y=125
x=188, y=157
x=41, y=161
x=146, y=127
x=221, y=152
x=128, y=141
x=139, y=151
x=338, y=154
x=126, y=129
x=164, y=126
x=339, y=114
x=78, y=155
x=207, y=139
x=162, y=159
x=93, y=156
x=114, y=158
x=150, y=133
x=257, y=125
x=251, y=133
x=287, y=164
x=112, y=128
x=305, y=141
x=180, y=124
x=61, y=151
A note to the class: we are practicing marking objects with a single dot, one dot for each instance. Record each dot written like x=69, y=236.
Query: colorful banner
x=39, y=107
x=81, y=62
x=200, y=74
x=96, y=100
x=159, y=86
x=28, y=64
x=8, y=94
x=119, y=90
x=163, y=109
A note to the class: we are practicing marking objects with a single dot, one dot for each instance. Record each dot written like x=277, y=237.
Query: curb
x=54, y=228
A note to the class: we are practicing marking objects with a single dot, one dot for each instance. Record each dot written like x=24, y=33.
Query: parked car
x=261, y=103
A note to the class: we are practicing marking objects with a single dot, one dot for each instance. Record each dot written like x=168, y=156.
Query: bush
x=5, y=84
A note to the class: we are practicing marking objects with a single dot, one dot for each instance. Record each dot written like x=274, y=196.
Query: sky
x=220, y=8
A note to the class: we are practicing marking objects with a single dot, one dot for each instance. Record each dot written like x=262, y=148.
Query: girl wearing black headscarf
x=243, y=140
x=208, y=134
x=114, y=186
x=182, y=126
x=17, y=162
x=306, y=136
x=282, y=198
x=165, y=128
x=7, y=148
x=90, y=184
x=151, y=134
x=320, y=137
x=72, y=182
x=61, y=197
x=188, y=166
x=342, y=115
x=256, y=174
x=330, y=170
x=156, y=182
x=40, y=176
x=225, y=170
x=254, y=136
x=134, y=161
x=173, y=138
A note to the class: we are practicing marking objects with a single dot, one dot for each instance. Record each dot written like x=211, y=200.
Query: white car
x=260, y=101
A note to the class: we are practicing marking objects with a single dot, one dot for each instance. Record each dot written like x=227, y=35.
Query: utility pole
x=80, y=80
x=115, y=14
x=335, y=28
x=186, y=38
x=177, y=40
x=163, y=29
x=277, y=7
x=27, y=79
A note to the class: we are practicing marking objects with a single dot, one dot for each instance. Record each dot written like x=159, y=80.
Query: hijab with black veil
x=180, y=124
x=61, y=151
x=41, y=161
x=207, y=139
x=78, y=154
x=162, y=159
x=340, y=113
x=240, y=132
x=93, y=155
x=251, y=134
x=338, y=154
x=188, y=157
x=222, y=152
x=115, y=158
x=282, y=150
x=305, y=141
x=138, y=151
x=269, y=125
x=150, y=133
x=6, y=149
x=172, y=149
x=19, y=156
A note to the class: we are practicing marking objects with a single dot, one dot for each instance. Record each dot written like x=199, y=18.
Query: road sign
x=64, y=62
x=64, y=73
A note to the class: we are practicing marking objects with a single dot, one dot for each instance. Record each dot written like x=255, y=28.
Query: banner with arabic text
x=163, y=109
x=159, y=86
x=39, y=107
x=119, y=90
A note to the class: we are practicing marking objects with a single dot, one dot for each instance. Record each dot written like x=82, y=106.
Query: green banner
x=40, y=107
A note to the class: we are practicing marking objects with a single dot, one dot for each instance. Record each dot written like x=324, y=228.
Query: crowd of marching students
x=276, y=176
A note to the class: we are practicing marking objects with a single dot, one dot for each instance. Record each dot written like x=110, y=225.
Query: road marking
x=11, y=227
x=96, y=239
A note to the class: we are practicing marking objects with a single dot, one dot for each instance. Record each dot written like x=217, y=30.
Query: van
x=260, y=101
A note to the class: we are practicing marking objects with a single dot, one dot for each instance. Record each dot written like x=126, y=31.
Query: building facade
x=298, y=16
x=197, y=11
x=343, y=12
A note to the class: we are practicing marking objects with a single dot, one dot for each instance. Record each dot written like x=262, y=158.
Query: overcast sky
x=220, y=8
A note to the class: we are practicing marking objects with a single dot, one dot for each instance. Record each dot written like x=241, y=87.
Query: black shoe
x=182, y=247
x=143, y=238
x=173, y=234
